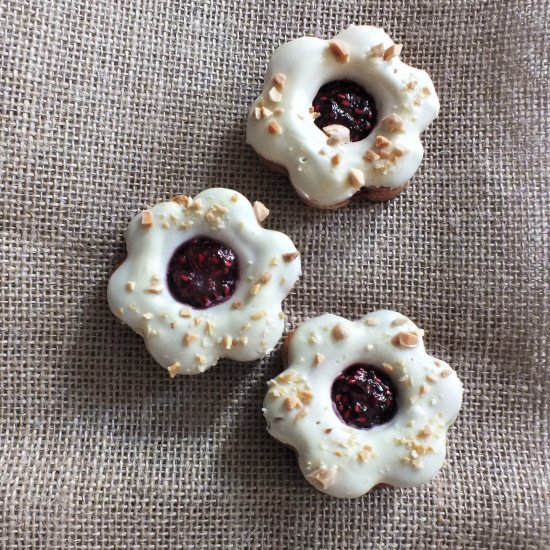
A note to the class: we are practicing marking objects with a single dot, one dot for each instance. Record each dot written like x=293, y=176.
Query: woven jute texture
x=107, y=107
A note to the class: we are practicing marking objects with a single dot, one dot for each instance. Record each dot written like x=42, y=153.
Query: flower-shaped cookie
x=343, y=116
x=362, y=403
x=203, y=280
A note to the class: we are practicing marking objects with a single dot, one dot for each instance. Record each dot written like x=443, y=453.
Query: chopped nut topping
x=189, y=338
x=406, y=339
x=370, y=155
x=424, y=388
x=236, y=305
x=382, y=142
x=274, y=261
x=340, y=332
x=181, y=199
x=305, y=396
x=431, y=378
x=388, y=367
x=412, y=85
x=215, y=215
x=398, y=152
x=200, y=359
x=318, y=359
x=323, y=477
x=197, y=321
x=399, y=321
x=364, y=454
x=243, y=340
x=155, y=288
x=234, y=197
x=278, y=111
x=373, y=321
x=445, y=373
x=147, y=218
x=426, y=90
x=279, y=80
x=426, y=431
x=148, y=316
x=393, y=123
x=356, y=178
x=393, y=51
x=196, y=205
x=301, y=414
x=292, y=402
x=262, y=112
x=130, y=285
x=377, y=51
x=288, y=257
x=265, y=278
x=328, y=430
x=209, y=328
x=258, y=315
x=275, y=95
x=227, y=341
x=274, y=128
x=173, y=369
x=186, y=313
x=274, y=393
x=245, y=327
x=260, y=211
x=337, y=134
x=281, y=315
x=335, y=160
x=255, y=289
x=413, y=399
x=339, y=50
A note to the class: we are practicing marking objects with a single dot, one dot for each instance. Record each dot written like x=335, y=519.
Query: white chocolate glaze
x=186, y=340
x=344, y=461
x=280, y=125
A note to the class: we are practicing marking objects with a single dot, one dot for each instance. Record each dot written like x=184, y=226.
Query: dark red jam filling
x=346, y=103
x=203, y=273
x=364, y=397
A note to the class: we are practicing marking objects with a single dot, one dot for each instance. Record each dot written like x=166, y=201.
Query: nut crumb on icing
x=340, y=51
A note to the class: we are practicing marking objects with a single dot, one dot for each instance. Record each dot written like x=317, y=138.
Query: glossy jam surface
x=203, y=273
x=364, y=397
x=346, y=103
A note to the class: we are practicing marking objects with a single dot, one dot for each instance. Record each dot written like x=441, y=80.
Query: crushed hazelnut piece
x=426, y=91
x=398, y=322
x=412, y=85
x=262, y=112
x=209, y=328
x=431, y=378
x=382, y=142
x=445, y=373
x=185, y=313
x=413, y=399
x=245, y=327
x=274, y=128
x=244, y=341
x=173, y=369
x=147, y=218
x=377, y=51
x=265, y=278
x=301, y=414
x=356, y=178
x=426, y=431
x=181, y=199
x=318, y=359
x=258, y=315
x=370, y=155
x=393, y=123
x=388, y=367
x=424, y=388
x=337, y=134
x=364, y=454
x=398, y=152
x=288, y=257
x=200, y=359
x=189, y=338
x=279, y=80
x=197, y=321
x=215, y=214
x=340, y=332
x=130, y=285
x=236, y=305
x=260, y=211
x=305, y=396
x=255, y=289
x=335, y=160
x=393, y=51
x=234, y=197
x=323, y=477
x=148, y=316
x=373, y=321
x=155, y=288
x=196, y=205
x=406, y=339
x=275, y=95
x=292, y=402
x=339, y=50
x=227, y=341
x=328, y=430
x=274, y=261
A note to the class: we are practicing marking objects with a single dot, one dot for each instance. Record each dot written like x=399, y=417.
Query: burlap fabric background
x=107, y=107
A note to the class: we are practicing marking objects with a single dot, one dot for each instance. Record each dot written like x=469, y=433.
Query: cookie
x=204, y=280
x=342, y=117
x=362, y=403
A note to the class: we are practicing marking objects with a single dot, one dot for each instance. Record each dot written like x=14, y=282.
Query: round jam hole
x=364, y=397
x=203, y=273
x=345, y=103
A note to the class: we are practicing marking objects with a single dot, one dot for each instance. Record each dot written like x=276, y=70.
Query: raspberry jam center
x=203, y=273
x=364, y=397
x=346, y=103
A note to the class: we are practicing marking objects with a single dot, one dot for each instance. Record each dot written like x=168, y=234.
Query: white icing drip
x=407, y=451
x=138, y=293
x=307, y=64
